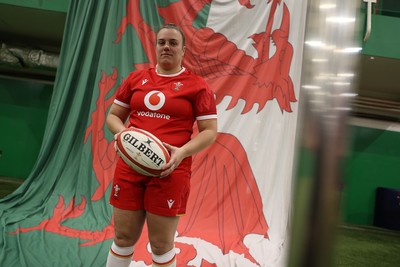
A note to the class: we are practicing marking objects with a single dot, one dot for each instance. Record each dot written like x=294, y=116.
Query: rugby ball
x=142, y=151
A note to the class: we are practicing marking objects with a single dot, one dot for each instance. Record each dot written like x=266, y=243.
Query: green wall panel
x=53, y=5
x=389, y=7
x=384, y=40
x=23, y=115
x=374, y=161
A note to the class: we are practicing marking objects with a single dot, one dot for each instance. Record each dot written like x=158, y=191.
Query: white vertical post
x=369, y=14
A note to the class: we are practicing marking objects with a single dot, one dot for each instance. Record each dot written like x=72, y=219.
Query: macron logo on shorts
x=170, y=202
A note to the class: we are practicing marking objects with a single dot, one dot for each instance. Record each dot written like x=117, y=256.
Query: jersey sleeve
x=124, y=93
x=205, y=107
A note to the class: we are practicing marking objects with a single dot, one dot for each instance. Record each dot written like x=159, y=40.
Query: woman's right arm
x=116, y=118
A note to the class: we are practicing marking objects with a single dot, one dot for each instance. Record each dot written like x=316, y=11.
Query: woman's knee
x=128, y=226
x=162, y=232
x=160, y=247
x=124, y=239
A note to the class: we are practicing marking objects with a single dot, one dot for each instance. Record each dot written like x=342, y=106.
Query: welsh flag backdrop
x=250, y=52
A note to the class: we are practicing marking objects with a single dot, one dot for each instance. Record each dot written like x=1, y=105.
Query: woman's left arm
x=206, y=136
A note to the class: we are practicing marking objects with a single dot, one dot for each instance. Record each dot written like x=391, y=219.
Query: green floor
x=367, y=246
x=357, y=246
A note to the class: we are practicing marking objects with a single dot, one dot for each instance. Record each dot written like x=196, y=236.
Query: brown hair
x=175, y=27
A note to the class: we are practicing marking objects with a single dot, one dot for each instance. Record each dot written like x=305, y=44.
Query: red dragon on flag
x=225, y=204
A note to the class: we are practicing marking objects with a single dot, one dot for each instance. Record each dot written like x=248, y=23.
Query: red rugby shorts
x=161, y=196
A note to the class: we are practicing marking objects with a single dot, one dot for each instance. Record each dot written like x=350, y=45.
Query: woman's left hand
x=177, y=155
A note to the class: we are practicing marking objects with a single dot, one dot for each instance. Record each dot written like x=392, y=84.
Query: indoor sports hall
x=305, y=167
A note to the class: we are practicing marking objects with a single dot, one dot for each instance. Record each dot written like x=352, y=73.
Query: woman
x=166, y=101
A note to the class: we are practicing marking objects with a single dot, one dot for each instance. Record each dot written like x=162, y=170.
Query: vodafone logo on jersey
x=154, y=100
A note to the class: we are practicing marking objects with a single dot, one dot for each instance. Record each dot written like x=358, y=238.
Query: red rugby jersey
x=166, y=105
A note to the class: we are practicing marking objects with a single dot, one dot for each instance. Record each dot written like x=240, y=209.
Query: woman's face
x=169, y=49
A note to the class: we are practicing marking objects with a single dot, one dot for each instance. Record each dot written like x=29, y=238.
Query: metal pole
x=329, y=62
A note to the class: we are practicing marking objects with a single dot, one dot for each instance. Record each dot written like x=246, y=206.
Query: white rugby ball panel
x=157, y=141
x=142, y=151
x=138, y=168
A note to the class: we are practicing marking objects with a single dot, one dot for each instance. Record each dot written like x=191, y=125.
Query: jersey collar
x=170, y=75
